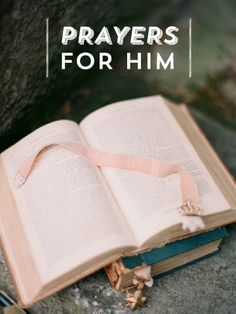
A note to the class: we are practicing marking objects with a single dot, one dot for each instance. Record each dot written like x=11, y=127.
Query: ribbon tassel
x=146, y=165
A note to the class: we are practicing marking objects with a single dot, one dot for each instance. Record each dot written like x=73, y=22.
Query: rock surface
x=27, y=97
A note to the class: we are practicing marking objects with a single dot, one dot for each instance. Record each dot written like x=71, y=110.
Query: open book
x=71, y=218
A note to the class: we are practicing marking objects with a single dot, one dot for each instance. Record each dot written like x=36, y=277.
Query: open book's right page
x=146, y=127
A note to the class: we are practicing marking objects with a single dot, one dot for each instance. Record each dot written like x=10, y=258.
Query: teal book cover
x=159, y=254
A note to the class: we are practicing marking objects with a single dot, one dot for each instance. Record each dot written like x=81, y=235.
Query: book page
x=66, y=214
x=146, y=127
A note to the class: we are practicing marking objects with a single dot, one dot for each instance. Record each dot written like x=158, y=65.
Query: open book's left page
x=68, y=217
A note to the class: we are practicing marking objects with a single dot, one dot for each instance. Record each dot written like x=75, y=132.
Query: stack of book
x=167, y=259
x=63, y=217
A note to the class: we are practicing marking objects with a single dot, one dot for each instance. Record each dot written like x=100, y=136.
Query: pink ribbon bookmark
x=150, y=166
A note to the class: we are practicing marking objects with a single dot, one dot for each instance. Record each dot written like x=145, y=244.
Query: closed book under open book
x=163, y=260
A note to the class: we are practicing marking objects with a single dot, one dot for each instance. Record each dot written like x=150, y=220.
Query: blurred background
x=28, y=100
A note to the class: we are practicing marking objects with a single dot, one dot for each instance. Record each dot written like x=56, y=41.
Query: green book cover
x=172, y=249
